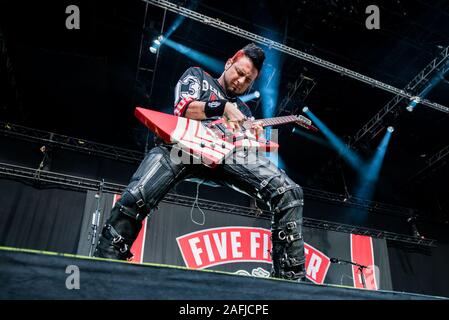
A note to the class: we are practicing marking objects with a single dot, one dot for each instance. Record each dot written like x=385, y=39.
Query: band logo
x=217, y=246
x=211, y=247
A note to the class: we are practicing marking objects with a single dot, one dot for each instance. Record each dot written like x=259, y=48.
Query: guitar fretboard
x=278, y=120
x=268, y=122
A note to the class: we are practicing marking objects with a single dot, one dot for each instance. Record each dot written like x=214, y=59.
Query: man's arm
x=195, y=110
x=234, y=116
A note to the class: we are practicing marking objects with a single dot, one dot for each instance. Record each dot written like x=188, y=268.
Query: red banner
x=362, y=253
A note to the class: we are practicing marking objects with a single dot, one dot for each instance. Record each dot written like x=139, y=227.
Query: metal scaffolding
x=79, y=183
x=65, y=142
x=440, y=155
x=131, y=156
x=374, y=125
x=305, y=85
x=351, y=201
x=216, y=23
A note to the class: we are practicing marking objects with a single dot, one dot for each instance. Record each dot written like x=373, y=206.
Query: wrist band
x=214, y=108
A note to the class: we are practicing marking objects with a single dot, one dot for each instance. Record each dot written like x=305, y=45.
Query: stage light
x=341, y=147
x=156, y=44
x=250, y=96
x=270, y=78
x=439, y=76
x=305, y=109
x=209, y=62
x=416, y=99
x=371, y=171
x=311, y=137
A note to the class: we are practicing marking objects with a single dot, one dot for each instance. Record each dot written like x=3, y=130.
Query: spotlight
x=157, y=42
x=257, y=94
x=409, y=108
x=390, y=129
x=305, y=109
x=160, y=38
x=153, y=50
x=416, y=99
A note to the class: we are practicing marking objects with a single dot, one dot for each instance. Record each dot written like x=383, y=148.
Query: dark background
x=84, y=83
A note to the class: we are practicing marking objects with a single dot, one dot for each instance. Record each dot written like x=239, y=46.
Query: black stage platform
x=29, y=274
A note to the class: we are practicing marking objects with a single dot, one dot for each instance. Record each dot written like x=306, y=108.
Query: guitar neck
x=278, y=121
x=268, y=122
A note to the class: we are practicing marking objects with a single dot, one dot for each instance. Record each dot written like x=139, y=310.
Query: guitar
x=212, y=142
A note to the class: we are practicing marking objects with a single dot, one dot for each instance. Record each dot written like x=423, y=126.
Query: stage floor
x=30, y=274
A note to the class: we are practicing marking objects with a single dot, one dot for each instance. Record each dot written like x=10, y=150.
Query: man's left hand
x=257, y=129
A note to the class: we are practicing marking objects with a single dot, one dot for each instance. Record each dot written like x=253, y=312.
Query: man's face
x=239, y=75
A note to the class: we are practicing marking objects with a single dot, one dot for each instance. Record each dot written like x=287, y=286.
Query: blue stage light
x=345, y=152
x=311, y=137
x=370, y=174
x=305, y=109
x=250, y=96
x=210, y=63
x=431, y=84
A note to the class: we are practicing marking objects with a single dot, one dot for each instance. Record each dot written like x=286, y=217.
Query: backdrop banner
x=204, y=239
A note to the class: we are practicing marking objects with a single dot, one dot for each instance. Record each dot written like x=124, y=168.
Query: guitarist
x=199, y=96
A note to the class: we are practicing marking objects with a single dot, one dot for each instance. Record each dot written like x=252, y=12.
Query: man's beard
x=229, y=93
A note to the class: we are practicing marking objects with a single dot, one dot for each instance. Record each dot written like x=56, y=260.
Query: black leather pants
x=253, y=175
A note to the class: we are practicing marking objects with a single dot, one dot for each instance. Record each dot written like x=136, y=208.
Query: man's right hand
x=233, y=116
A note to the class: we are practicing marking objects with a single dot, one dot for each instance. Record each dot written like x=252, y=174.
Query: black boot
x=118, y=235
x=288, y=253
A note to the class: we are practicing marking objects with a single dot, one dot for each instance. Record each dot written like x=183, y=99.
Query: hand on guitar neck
x=233, y=116
x=235, y=119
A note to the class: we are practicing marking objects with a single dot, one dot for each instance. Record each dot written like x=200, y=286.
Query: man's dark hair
x=256, y=55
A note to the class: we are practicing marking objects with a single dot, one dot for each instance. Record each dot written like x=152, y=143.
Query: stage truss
x=40, y=177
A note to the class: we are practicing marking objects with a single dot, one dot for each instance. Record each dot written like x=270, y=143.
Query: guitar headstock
x=305, y=122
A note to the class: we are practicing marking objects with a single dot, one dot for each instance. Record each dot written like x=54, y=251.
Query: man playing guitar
x=199, y=96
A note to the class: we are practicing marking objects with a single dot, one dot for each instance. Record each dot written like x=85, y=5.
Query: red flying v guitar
x=212, y=142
